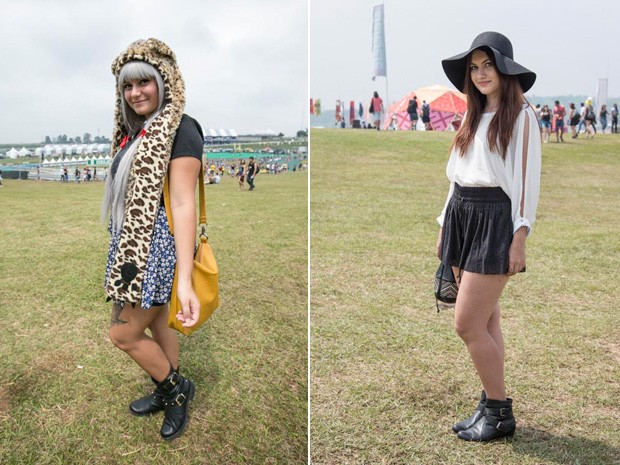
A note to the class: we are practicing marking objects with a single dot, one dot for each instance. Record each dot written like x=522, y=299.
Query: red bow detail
x=124, y=141
x=143, y=133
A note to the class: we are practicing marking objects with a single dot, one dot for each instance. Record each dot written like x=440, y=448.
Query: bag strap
x=201, y=199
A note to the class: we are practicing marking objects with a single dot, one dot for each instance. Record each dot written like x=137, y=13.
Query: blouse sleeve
x=526, y=171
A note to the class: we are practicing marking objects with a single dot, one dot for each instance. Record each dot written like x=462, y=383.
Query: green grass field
x=64, y=388
x=389, y=375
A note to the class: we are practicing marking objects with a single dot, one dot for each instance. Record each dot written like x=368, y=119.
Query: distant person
x=573, y=119
x=412, y=110
x=559, y=112
x=376, y=108
x=1, y=185
x=77, y=175
x=95, y=174
x=582, y=119
x=602, y=114
x=252, y=171
x=545, y=122
x=66, y=174
x=614, y=118
x=426, y=115
x=494, y=173
x=241, y=174
x=590, y=119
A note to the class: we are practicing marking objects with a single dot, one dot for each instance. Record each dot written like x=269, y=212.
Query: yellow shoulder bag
x=204, y=272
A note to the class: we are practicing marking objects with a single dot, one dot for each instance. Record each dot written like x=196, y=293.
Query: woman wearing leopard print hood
x=152, y=137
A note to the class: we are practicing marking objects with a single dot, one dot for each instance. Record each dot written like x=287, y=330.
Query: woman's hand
x=438, y=251
x=516, y=253
x=190, y=306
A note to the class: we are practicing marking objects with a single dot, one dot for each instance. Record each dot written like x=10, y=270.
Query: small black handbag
x=446, y=288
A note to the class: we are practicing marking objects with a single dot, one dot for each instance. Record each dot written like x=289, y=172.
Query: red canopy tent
x=447, y=108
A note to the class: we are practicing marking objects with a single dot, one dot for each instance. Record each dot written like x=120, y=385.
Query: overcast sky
x=569, y=44
x=244, y=62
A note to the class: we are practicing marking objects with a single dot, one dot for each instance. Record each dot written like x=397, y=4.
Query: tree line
x=87, y=138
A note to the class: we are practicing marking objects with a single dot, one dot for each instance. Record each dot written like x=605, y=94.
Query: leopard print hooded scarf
x=148, y=169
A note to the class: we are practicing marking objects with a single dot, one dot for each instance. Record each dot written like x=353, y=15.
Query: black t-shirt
x=187, y=142
x=251, y=169
x=413, y=106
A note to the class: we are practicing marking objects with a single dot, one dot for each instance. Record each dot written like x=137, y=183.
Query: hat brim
x=456, y=67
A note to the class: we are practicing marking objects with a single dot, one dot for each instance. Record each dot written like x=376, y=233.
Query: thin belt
x=480, y=194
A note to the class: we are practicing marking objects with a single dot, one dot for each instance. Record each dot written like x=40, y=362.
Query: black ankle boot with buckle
x=469, y=422
x=177, y=393
x=150, y=404
x=497, y=422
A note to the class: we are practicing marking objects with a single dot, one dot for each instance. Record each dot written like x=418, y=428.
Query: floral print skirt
x=159, y=266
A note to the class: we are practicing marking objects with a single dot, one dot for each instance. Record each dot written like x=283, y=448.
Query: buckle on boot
x=502, y=427
x=171, y=380
x=180, y=403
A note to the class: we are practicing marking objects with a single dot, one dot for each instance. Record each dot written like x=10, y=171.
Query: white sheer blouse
x=518, y=175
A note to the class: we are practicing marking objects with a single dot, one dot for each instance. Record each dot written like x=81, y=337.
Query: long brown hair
x=503, y=123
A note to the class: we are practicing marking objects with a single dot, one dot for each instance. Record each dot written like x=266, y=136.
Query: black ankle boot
x=177, y=392
x=469, y=422
x=496, y=423
x=150, y=404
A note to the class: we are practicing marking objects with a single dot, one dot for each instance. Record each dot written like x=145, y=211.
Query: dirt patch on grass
x=614, y=350
x=5, y=405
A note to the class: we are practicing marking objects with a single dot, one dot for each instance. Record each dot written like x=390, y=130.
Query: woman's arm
x=525, y=189
x=184, y=172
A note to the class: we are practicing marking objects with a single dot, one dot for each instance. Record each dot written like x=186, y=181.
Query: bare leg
x=166, y=337
x=494, y=329
x=127, y=333
x=477, y=323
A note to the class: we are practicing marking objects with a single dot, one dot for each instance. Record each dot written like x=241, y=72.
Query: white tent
x=24, y=152
x=12, y=153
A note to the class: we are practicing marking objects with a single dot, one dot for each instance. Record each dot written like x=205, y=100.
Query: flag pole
x=378, y=48
x=387, y=95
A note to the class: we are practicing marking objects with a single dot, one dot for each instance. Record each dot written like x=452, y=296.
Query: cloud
x=244, y=62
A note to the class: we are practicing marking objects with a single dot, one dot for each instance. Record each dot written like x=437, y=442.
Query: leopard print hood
x=148, y=169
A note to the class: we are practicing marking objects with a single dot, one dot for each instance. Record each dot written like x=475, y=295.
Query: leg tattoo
x=116, y=315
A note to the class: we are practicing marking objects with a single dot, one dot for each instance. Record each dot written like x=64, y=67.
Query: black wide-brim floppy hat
x=456, y=66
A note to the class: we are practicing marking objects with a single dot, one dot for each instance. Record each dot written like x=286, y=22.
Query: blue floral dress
x=160, y=265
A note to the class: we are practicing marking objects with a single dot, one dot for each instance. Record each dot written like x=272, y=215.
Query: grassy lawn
x=65, y=389
x=389, y=375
